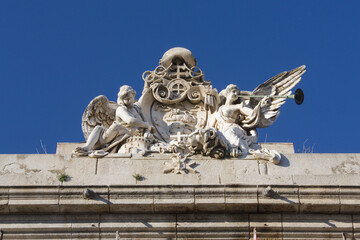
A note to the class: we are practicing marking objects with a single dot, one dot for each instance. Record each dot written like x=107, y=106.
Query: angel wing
x=281, y=84
x=100, y=111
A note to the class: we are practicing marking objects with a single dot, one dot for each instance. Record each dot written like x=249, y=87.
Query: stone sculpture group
x=181, y=114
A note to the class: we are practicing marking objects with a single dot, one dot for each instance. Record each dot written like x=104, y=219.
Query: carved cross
x=179, y=136
x=180, y=71
x=178, y=88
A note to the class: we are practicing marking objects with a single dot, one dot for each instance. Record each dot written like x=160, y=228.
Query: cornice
x=180, y=199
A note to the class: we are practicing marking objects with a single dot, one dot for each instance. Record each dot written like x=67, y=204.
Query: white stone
x=180, y=112
x=212, y=226
x=319, y=199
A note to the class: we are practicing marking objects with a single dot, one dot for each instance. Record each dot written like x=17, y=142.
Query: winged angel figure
x=230, y=125
x=106, y=125
x=241, y=112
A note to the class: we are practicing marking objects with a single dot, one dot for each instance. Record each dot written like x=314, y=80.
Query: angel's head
x=126, y=96
x=232, y=93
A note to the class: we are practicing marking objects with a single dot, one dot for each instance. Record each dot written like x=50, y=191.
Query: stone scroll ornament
x=179, y=113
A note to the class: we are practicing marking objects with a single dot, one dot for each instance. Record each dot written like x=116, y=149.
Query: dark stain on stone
x=348, y=167
x=20, y=156
x=58, y=171
x=20, y=166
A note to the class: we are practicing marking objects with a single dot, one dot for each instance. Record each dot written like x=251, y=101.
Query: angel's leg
x=93, y=141
x=238, y=141
x=114, y=131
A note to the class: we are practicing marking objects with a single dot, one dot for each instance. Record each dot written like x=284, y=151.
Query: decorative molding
x=178, y=199
x=184, y=226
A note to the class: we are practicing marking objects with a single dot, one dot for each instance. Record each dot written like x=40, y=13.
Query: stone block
x=318, y=164
x=156, y=177
x=284, y=148
x=4, y=200
x=211, y=226
x=346, y=164
x=349, y=199
x=35, y=200
x=209, y=198
x=268, y=226
x=210, y=171
x=30, y=169
x=278, y=198
x=316, y=226
x=241, y=198
x=85, y=226
x=175, y=199
x=327, y=180
x=120, y=171
x=319, y=199
x=36, y=226
x=65, y=148
x=72, y=200
x=237, y=171
x=236, y=175
x=132, y=226
x=356, y=225
x=81, y=171
x=131, y=199
x=117, y=171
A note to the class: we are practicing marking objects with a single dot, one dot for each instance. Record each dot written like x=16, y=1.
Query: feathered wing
x=281, y=84
x=100, y=111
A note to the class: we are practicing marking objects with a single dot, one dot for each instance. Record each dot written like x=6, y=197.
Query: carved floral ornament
x=181, y=114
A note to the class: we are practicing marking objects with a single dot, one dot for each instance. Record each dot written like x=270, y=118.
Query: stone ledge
x=210, y=198
x=33, y=199
x=317, y=226
x=241, y=199
x=356, y=226
x=166, y=199
x=186, y=226
x=349, y=199
x=180, y=199
x=319, y=199
x=131, y=199
x=138, y=225
x=294, y=169
x=73, y=199
x=267, y=225
x=278, y=199
x=4, y=200
x=210, y=225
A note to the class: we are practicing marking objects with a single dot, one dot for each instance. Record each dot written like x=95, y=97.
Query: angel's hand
x=148, y=135
x=265, y=102
x=151, y=129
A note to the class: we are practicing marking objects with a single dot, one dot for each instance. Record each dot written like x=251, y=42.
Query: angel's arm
x=123, y=113
x=251, y=115
x=248, y=110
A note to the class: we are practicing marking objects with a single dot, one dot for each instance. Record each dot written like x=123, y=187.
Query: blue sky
x=56, y=56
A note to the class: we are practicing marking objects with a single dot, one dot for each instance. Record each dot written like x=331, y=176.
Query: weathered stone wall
x=180, y=226
x=180, y=199
x=307, y=196
x=294, y=168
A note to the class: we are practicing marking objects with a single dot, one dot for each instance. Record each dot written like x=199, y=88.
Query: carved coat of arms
x=180, y=113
